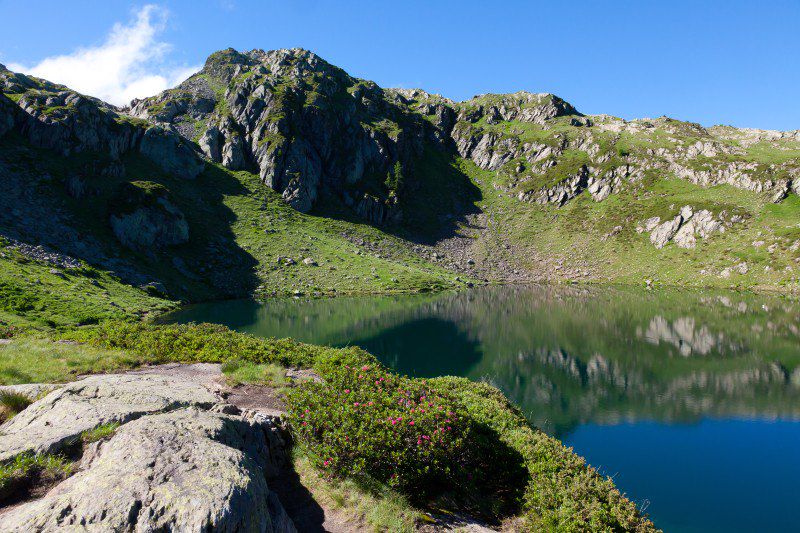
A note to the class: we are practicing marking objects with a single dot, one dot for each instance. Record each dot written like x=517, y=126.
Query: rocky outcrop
x=171, y=152
x=148, y=227
x=685, y=228
x=58, y=419
x=144, y=219
x=54, y=117
x=304, y=125
x=186, y=470
x=522, y=106
x=180, y=461
x=663, y=233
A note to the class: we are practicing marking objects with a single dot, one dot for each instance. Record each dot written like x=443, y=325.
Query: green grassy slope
x=243, y=240
x=602, y=235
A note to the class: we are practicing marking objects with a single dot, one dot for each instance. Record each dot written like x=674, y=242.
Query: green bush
x=563, y=493
x=205, y=343
x=368, y=423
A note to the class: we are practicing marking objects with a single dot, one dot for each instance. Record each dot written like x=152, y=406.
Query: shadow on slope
x=63, y=204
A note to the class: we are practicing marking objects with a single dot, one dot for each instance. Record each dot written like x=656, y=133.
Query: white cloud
x=129, y=64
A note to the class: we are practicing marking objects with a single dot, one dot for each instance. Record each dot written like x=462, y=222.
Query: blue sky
x=711, y=62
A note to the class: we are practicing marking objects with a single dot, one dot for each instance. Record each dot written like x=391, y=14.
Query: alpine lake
x=690, y=400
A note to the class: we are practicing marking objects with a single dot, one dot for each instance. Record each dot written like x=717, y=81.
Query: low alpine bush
x=208, y=343
x=366, y=422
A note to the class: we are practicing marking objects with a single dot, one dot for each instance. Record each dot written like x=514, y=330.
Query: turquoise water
x=690, y=400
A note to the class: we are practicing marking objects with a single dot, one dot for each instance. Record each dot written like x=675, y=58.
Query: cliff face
x=305, y=126
x=56, y=118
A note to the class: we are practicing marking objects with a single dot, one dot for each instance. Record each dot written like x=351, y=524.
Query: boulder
x=685, y=236
x=648, y=225
x=662, y=233
x=148, y=227
x=143, y=217
x=186, y=470
x=57, y=420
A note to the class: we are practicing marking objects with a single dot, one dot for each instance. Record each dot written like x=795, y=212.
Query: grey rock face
x=59, y=418
x=662, y=233
x=684, y=229
x=53, y=117
x=151, y=227
x=305, y=125
x=171, y=153
x=32, y=391
x=187, y=470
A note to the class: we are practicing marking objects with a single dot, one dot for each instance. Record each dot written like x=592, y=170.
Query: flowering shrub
x=365, y=421
x=7, y=331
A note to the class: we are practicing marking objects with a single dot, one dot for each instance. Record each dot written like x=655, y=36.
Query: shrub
x=7, y=331
x=562, y=493
x=206, y=343
x=366, y=422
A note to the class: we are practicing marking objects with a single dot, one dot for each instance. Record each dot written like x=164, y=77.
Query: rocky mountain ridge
x=468, y=184
x=307, y=125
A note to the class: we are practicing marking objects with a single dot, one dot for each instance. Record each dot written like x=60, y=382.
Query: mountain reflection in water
x=567, y=355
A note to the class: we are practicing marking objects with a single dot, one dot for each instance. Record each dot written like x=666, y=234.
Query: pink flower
x=347, y=391
x=411, y=423
x=370, y=403
x=393, y=422
x=365, y=367
x=355, y=404
x=305, y=424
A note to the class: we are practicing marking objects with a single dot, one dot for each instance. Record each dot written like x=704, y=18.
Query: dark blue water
x=689, y=400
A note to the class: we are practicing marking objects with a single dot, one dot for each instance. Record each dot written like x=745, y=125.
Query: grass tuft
x=238, y=372
x=101, y=432
x=12, y=403
x=26, y=470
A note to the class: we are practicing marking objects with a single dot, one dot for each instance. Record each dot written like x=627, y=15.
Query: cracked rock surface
x=59, y=418
x=184, y=470
x=182, y=460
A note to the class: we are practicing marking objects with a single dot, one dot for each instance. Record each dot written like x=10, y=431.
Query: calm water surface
x=690, y=400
